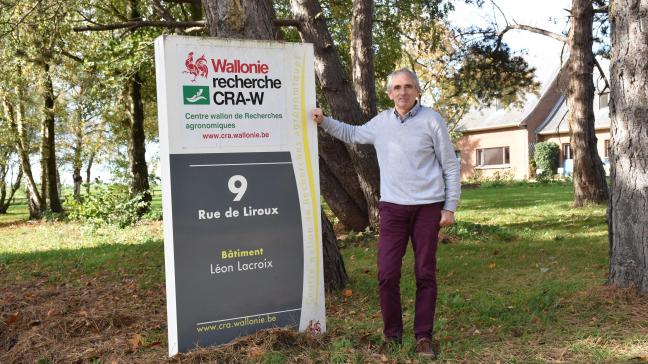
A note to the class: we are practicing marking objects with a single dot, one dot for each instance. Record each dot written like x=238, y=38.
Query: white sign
x=240, y=188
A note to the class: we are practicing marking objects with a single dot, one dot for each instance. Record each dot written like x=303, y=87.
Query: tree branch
x=553, y=35
x=598, y=65
x=602, y=10
x=287, y=23
x=164, y=14
x=142, y=24
x=72, y=56
x=531, y=29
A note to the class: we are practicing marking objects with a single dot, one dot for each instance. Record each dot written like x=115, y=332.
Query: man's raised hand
x=318, y=115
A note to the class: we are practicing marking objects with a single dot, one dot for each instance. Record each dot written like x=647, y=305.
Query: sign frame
x=277, y=141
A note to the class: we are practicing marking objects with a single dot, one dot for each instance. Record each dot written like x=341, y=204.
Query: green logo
x=195, y=95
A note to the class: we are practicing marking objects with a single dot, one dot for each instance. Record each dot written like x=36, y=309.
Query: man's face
x=403, y=92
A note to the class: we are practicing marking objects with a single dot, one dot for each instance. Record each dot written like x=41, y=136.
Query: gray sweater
x=416, y=158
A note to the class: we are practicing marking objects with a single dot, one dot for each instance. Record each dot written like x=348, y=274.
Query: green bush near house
x=546, y=157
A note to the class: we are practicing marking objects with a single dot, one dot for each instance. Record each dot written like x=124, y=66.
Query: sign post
x=240, y=188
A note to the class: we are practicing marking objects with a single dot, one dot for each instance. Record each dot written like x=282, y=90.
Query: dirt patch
x=115, y=322
x=77, y=322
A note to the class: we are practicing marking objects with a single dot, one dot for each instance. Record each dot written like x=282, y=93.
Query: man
x=419, y=191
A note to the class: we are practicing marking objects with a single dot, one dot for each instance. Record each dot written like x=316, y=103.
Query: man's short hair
x=406, y=71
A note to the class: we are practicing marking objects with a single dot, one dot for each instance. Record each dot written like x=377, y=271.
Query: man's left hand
x=447, y=218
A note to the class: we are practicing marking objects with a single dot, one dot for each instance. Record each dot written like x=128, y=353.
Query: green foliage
x=546, y=156
x=108, y=204
x=491, y=73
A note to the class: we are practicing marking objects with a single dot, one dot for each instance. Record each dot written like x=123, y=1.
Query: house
x=499, y=141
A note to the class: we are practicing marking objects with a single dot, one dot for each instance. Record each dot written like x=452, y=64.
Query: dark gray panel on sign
x=220, y=297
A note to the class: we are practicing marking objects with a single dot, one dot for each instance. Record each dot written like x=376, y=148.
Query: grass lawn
x=520, y=280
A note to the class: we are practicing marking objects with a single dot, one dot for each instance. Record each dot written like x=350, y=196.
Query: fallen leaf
x=11, y=319
x=136, y=341
x=492, y=265
x=347, y=292
x=476, y=332
x=256, y=352
x=83, y=313
x=154, y=344
x=535, y=319
x=384, y=359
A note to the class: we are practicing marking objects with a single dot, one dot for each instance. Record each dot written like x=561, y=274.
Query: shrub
x=546, y=156
x=108, y=204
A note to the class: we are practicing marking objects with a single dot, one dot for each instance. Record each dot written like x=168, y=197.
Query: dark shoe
x=424, y=348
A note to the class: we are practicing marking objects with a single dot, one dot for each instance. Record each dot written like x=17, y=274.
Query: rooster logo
x=197, y=68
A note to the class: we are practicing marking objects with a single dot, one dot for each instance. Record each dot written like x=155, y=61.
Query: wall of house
x=601, y=135
x=514, y=138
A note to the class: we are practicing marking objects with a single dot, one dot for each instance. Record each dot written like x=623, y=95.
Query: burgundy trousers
x=399, y=224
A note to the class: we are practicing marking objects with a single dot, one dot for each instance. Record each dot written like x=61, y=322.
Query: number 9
x=240, y=190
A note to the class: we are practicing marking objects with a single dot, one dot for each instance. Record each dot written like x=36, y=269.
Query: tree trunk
x=139, y=183
x=77, y=162
x=50, y=151
x=345, y=209
x=341, y=189
x=88, y=170
x=627, y=218
x=15, y=117
x=335, y=275
x=243, y=19
x=340, y=96
x=255, y=22
x=138, y=169
x=362, y=56
x=589, y=176
x=6, y=198
x=44, y=144
x=94, y=149
x=78, y=180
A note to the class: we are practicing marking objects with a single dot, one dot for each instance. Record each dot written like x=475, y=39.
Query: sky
x=541, y=51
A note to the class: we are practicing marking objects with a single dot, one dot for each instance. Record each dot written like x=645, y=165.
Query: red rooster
x=198, y=68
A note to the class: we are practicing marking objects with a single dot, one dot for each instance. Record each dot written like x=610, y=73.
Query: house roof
x=493, y=117
x=556, y=119
x=556, y=122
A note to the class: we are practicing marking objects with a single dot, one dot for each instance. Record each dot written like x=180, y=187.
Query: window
x=606, y=148
x=604, y=100
x=458, y=155
x=567, y=152
x=493, y=156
